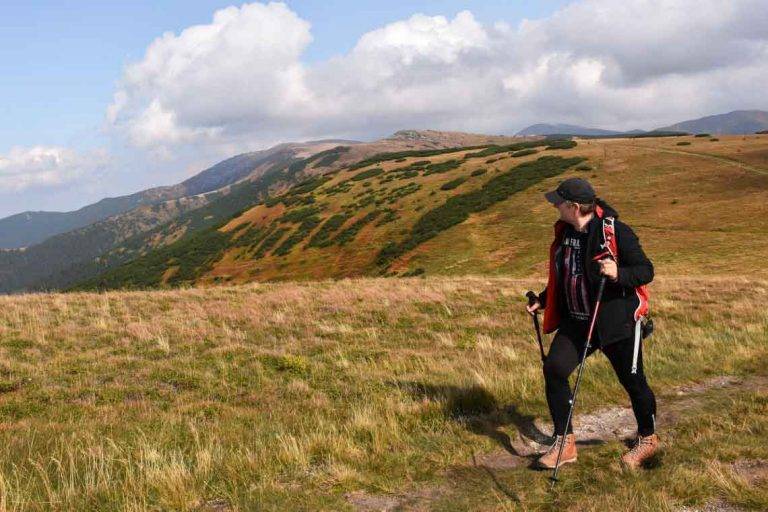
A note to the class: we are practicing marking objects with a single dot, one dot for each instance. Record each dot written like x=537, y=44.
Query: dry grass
x=691, y=208
x=693, y=214
x=286, y=396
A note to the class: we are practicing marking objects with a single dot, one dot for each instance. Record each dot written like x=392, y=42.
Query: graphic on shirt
x=574, y=280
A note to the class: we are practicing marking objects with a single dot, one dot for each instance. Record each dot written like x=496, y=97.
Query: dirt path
x=723, y=159
x=609, y=424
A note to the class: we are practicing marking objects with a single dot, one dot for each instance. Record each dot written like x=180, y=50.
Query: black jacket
x=621, y=300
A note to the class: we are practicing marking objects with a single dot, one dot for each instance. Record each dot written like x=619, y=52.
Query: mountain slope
x=324, y=226
x=567, y=129
x=71, y=256
x=736, y=122
x=480, y=211
x=79, y=254
x=30, y=228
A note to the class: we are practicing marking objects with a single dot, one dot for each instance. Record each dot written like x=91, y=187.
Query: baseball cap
x=577, y=190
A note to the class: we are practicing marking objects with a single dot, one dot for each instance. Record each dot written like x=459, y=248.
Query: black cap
x=573, y=189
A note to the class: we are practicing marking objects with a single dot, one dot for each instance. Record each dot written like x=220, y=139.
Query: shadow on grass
x=477, y=409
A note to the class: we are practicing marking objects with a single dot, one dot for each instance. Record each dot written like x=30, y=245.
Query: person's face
x=568, y=211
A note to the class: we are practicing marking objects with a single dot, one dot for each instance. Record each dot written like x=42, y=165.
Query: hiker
x=586, y=223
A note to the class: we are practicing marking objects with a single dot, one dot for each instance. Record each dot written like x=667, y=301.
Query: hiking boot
x=644, y=449
x=549, y=459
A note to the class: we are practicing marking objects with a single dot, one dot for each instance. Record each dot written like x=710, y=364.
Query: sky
x=106, y=98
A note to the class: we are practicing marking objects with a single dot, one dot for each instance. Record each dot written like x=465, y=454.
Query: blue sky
x=60, y=60
x=106, y=98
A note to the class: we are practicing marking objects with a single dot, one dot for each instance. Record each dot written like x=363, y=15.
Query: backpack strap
x=608, y=245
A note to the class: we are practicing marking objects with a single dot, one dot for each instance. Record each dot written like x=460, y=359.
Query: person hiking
x=588, y=227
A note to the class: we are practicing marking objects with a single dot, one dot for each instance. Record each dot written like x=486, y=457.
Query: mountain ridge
x=71, y=256
x=32, y=227
x=737, y=122
x=466, y=210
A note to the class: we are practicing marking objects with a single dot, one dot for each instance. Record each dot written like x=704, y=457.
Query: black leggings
x=564, y=356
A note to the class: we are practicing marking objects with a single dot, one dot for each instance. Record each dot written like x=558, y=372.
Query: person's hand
x=533, y=308
x=609, y=269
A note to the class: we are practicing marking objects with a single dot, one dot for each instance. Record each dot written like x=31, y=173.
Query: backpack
x=641, y=316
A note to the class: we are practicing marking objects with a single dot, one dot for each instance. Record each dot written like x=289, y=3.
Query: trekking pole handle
x=532, y=298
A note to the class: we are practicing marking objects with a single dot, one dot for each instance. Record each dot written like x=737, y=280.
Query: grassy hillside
x=31, y=228
x=480, y=210
x=83, y=254
x=369, y=394
x=64, y=258
x=398, y=394
x=133, y=222
x=698, y=209
x=351, y=220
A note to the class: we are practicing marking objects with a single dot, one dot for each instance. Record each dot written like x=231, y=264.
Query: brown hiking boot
x=644, y=449
x=549, y=459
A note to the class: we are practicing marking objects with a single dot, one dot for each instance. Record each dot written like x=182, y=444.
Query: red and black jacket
x=624, y=301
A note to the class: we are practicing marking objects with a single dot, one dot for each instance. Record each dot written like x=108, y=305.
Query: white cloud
x=43, y=167
x=240, y=80
x=211, y=80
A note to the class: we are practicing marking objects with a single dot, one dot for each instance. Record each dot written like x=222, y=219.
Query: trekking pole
x=532, y=298
x=578, y=377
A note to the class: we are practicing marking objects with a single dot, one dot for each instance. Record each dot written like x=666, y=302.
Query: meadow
x=290, y=378
x=361, y=394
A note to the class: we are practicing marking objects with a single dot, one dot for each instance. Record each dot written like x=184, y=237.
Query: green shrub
x=307, y=185
x=702, y=135
x=269, y=242
x=684, y=143
x=299, y=214
x=403, y=191
x=294, y=200
x=524, y=152
x=323, y=236
x=406, y=175
x=369, y=173
x=456, y=209
x=492, y=150
x=583, y=168
x=340, y=188
x=714, y=139
x=250, y=238
x=389, y=215
x=561, y=144
x=365, y=192
x=442, y=167
x=450, y=185
x=478, y=172
x=383, y=157
x=297, y=236
x=349, y=234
